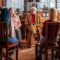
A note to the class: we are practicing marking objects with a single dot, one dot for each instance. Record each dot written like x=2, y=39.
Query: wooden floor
x=29, y=54
x=26, y=53
x=24, y=43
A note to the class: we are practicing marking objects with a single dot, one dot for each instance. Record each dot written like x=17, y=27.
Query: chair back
x=3, y=31
x=4, y=42
x=52, y=29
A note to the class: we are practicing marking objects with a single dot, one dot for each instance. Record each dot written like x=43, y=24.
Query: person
x=17, y=24
x=5, y=16
x=20, y=17
x=18, y=12
x=32, y=21
x=58, y=17
x=23, y=28
x=52, y=18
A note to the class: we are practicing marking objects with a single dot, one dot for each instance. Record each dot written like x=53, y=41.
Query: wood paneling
x=25, y=5
x=2, y=3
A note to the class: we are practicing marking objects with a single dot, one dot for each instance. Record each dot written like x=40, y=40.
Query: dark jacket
x=5, y=16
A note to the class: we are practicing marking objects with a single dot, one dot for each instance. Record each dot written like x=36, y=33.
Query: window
x=15, y=4
x=48, y=3
x=58, y=4
x=43, y=2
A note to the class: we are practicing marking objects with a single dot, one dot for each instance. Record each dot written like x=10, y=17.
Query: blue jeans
x=18, y=35
x=12, y=40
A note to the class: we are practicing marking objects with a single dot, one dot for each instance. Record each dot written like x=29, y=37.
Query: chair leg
x=6, y=58
x=36, y=52
x=59, y=53
x=52, y=54
x=40, y=54
x=46, y=56
x=1, y=51
x=17, y=53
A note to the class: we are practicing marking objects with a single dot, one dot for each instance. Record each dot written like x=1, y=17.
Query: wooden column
x=3, y=2
x=25, y=5
x=0, y=3
x=56, y=3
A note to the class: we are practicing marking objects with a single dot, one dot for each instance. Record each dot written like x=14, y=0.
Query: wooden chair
x=4, y=43
x=49, y=43
x=52, y=29
x=38, y=48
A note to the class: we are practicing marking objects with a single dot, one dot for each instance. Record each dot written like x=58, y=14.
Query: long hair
x=58, y=17
x=52, y=14
x=14, y=14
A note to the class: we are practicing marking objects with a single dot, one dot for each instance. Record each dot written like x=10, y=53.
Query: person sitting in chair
x=52, y=18
x=5, y=16
x=32, y=21
x=17, y=24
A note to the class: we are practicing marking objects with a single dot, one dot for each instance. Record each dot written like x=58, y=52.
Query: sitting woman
x=52, y=18
x=17, y=24
x=5, y=16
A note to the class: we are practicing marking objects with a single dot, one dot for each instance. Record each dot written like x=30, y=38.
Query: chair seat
x=4, y=42
x=12, y=45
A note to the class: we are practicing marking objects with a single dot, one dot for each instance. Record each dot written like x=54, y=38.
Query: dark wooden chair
x=4, y=43
x=38, y=47
x=52, y=29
